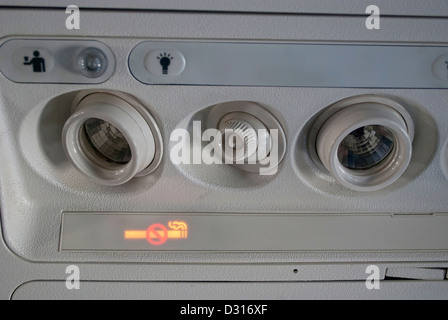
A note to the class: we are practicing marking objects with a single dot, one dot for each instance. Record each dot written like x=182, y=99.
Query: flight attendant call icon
x=37, y=62
x=157, y=233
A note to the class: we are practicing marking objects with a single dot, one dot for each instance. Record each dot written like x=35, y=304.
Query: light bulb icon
x=165, y=61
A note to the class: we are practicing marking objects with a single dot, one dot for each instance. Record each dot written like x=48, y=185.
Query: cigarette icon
x=157, y=234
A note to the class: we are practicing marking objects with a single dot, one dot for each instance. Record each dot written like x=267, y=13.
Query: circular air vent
x=111, y=137
x=365, y=142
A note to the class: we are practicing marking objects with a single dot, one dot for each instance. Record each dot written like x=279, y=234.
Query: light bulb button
x=167, y=62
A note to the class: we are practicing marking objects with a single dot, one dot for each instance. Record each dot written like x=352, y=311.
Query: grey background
x=37, y=183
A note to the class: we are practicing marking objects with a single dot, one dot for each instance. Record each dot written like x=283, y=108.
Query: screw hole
x=295, y=271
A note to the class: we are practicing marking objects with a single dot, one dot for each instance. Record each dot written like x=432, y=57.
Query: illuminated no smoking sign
x=157, y=234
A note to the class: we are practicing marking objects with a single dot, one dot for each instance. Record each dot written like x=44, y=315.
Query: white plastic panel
x=38, y=183
x=388, y=7
x=233, y=291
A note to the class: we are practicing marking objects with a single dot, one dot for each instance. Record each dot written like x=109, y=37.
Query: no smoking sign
x=157, y=233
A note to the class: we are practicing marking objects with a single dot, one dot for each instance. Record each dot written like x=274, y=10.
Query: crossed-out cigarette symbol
x=157, y=234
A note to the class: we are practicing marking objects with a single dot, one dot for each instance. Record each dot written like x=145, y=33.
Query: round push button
x=92, y=62
x=165, y=62
x=440, y=68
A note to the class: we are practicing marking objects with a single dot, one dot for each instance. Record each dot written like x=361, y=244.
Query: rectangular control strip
x=83, y=231
x=56, y=61
x=290, y=65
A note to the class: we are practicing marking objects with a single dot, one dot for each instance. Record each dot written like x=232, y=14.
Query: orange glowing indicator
x=157, y=234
